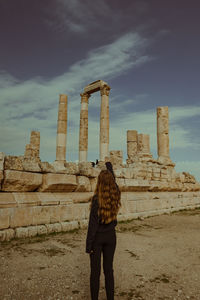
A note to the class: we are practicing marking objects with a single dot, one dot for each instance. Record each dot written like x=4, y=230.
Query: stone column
x=61, y=130
x=83, y=133
x=163, y=132
x=104, y=123
x=32, y=150
x=143, y=144
x=132, y=141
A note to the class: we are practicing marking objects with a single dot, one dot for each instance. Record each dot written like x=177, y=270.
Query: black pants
x=104, y=242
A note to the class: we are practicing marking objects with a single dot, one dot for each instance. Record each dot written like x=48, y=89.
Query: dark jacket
x=95, y=225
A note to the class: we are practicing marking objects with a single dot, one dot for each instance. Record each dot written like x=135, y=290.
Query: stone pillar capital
x=84, y=97
x=105, y=90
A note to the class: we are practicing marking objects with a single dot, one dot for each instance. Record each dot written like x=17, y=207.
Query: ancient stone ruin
x=40, y=197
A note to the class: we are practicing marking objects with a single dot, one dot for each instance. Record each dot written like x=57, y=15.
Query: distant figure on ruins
x=101, y=236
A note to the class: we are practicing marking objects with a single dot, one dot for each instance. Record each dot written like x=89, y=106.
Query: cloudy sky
x=146, y=50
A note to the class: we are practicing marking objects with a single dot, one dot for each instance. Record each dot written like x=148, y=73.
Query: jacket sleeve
x=92, y=226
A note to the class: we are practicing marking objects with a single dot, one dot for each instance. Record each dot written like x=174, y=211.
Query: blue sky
x=147, y=51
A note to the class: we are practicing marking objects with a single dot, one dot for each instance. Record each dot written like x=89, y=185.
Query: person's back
x=101, y=236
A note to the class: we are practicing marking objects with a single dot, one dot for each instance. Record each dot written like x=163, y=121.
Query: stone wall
x=29, y=214
x=18, y=174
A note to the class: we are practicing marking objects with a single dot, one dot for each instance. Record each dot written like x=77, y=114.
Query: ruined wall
x=29, y=214
x=39, y=198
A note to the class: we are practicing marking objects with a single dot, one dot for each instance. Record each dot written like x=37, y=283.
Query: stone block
x=86, y=169
x=41, y=230
x=80, y=211
x=50, y=228
x=83, y=224
x=74, y=225
x=116, y=158
x=127, y=173
x=2, y=235
x=10, y=234
x=57, y=227
x=63, y=198
x=41, y=215
x=121, y=183
x=59, y=166
x=68, y=226
x=21, y=216
x=5, y=218
x=83, y=183
x=119, y=172
x=136, y=185
x=58, y=183
x=13, y=163
x=72, y=168
x=63, y=213
x=81, y=197
x=21, y=232
x=93, y=183
x=7, y=200
x=47, y=199
x=17, y=181
x=132, y=206
x=32, y=231
x=132, y=136
x=30, y=165
x=26, y=199
x=46, y=167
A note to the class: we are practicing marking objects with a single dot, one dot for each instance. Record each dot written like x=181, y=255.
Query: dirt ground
x=155, y=258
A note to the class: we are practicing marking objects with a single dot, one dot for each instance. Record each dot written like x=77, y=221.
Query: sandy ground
x=155, y=258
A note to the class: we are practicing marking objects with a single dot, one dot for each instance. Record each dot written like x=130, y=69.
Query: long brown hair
x=108, y=195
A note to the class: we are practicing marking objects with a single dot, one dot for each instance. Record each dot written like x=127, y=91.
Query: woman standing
x=101, y=236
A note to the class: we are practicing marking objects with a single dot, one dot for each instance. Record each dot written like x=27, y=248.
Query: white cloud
x=32, y=104
x=81, y=16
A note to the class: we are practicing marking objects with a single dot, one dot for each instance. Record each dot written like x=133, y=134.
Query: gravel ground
x=155, y=258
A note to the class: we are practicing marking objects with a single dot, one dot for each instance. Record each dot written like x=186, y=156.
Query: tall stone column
x=104, y=123
x=163, y=133
x=132, y=141
x=61, y=129
x=83, y=133
x=143, y=144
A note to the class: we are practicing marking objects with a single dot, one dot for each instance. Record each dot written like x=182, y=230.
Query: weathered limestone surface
x=19, y=181
x=32, y=150
x=94, y=86
x=132, y=145
x=143, y=144
x=46, y=167
x=72, y=168
x=104, y=123
x=13, y=163
x=7, y=200
x=83, y=133
x=116, y=158
x=2, y=157
x=163, y=135
x=83, y=184
x=21, y=163
x=58, y=182
x=61, y=129
x=19, y=218
x=86, y=169
x=31, y=165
